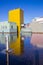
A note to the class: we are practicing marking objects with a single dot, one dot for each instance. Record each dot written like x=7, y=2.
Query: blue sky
x=32, y=8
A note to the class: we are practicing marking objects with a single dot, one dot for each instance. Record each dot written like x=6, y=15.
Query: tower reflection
x=17, y=46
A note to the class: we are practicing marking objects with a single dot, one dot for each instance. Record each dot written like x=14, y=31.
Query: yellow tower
x=16, y=16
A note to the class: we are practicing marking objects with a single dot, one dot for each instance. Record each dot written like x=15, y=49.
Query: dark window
x=2, y=32
x=11, y=38
x=12, y=27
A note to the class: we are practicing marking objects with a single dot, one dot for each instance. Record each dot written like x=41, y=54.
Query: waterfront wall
x=36, y=27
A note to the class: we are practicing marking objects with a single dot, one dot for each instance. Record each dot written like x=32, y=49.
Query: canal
x=26, y=50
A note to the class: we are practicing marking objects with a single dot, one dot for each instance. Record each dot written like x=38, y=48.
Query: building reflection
x=17, y=46
x=37, y=40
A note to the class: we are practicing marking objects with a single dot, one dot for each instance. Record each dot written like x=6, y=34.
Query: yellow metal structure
x=16, y=16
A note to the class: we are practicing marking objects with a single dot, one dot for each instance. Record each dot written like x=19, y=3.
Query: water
x=24, y=52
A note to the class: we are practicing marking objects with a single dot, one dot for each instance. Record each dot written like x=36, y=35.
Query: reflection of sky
x=29, y=55
x=32, y=8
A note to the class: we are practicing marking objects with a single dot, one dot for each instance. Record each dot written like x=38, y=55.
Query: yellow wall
x=16, y=16
x=17, y=46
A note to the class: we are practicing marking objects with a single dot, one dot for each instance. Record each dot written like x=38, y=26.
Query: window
x=2, y=32
x=12, y=27
x=11, y=38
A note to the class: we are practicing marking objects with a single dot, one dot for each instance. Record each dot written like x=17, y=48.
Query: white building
x=37, y=25
x=7, y=28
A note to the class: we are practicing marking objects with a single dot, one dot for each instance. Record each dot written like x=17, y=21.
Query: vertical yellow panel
x=17, y=17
